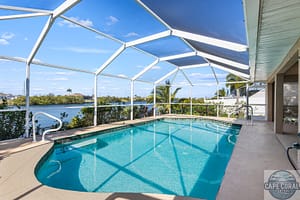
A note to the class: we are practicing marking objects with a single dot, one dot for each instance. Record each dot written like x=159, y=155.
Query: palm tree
x=162, y=94
x=222, y=92
x=69, y=90
x=235, y=86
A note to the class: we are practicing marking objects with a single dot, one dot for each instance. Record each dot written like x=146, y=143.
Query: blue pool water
x=186, y=157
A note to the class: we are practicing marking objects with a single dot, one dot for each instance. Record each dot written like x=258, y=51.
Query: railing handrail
x=242, y=106
x=47, y=131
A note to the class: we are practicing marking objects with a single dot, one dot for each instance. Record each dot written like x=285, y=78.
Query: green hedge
x=12, y=124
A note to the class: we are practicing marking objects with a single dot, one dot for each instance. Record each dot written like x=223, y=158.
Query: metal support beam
x=215, y=75
x=218, y=96
x=247, y=101
x=166, y=76
x=194, y=66
x=27, y=100
x=95, y=99
x=23, y=60
x=186, y=77
x=33, y=10
x=58, y=11
x=174, y=77
x=40, y=39
x=223, y=60
x=148, y=38
x=154, y=100
x=90, y=29
x=177, y=56
x=131, y=99
x=240, y=74
x=153, y=14
x=64, y=7
x=21, y=16
x=191, y=100
x=110, y=60
x=145, y=70
x=170, y=99
x=209, y=40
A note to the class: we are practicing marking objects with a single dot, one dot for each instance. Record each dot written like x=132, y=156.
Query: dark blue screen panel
x=241, y=57
x=193, y=60
x=245, y=71
x=165, y=47
x=214, y=18
x=37, y=4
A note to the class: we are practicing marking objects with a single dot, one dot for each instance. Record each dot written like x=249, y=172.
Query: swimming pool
x=186, y=157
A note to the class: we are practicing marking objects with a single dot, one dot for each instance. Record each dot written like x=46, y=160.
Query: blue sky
x=69, y=45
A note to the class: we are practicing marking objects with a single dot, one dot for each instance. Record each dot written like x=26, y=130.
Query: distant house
x=77, y=94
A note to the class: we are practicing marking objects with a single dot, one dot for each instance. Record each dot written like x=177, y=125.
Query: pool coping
x=17, y=179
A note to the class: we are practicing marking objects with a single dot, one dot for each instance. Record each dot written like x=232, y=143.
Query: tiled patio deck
x=257, y=149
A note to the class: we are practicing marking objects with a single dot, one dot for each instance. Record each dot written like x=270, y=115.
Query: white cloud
x=131, y=34
x=64, y=73
x=156, y=67
x=38, y=89
x=83, y=50
x=85, y=22
x=58, y=79
x=3, y=42
x=111, y=20
x=5, y=37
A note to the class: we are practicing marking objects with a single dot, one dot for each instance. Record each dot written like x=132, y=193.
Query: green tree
x=222, y=92
x=234, y=87
x=3, y=103
x=162, y=95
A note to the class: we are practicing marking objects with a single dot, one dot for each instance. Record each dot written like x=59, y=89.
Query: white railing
x=47, y=131
x=243, y=106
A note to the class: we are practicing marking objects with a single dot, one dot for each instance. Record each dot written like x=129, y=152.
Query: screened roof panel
x=66, y=41
x=214, y=18
x=36, y=4
x=241, y=57
x=18, y=40
x=157, y=71
x=244, y=71
x=193, y=60
x=129, y=63
x=124, y=20
x=203, y=74
x=165, y=47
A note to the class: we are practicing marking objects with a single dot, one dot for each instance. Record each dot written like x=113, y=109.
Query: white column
x=131, y=99
x=269, y=109
x=298, y=102
x=278, y=116
x=218, y=106
x=154, y=100
x=191, y=101
x=27, y=94
x=95, y=100
x=247, y=101
x=170, y=99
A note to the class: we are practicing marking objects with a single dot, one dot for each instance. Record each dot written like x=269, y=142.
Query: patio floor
x=257, y=149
